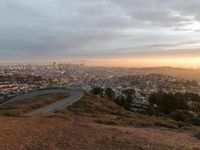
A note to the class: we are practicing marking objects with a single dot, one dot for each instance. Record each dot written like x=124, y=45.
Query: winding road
x=74, y=96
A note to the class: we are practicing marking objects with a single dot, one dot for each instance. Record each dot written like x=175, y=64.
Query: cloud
x=84, y=28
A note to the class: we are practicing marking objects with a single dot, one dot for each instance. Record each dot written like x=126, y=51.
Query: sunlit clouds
x=143, y=33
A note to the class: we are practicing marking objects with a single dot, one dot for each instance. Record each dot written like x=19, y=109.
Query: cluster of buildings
x=19, y=79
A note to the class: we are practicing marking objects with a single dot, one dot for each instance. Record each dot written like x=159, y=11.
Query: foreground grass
x=28, y=104
x=106, y=112
x=95, y=124
x=150, y=132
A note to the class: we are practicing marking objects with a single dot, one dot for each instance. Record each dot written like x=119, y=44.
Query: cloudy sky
x=35, y=30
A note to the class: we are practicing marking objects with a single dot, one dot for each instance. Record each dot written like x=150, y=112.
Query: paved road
x=74, y=96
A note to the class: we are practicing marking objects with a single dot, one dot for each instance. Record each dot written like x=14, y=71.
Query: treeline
x=178, y=106
x=123, y=100
x=169, y=102
x=184, y=107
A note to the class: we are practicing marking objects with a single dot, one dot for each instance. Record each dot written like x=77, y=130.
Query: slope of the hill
x=94, y=124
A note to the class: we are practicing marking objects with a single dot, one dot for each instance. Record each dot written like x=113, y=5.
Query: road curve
x=74, y=96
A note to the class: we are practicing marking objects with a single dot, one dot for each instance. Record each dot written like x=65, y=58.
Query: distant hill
x=185, y=73
x=176, y=72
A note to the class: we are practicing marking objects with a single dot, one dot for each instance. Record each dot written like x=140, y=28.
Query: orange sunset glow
x=148, y=62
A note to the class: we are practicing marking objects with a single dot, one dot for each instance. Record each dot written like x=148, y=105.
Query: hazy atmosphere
x=99, y=74
x=110, y=32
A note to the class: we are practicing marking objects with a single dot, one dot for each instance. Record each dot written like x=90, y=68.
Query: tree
x=168, y=102
x=128, y=93
x=97, y=91
x=110, y=93
x=120, y=100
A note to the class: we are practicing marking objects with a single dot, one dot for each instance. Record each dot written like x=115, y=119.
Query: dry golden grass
x=28, y=104
x=94, y=124
x=73, y=132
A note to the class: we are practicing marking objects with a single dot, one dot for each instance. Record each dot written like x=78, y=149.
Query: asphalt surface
x=74, y=96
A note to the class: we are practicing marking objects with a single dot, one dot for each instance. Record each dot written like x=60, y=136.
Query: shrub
x=110, y=93
x=196, y=121
x=166, y=125
x=181, y=115
x=97, y=91
x=108, y=122
x=13, y=113
x=183, y=125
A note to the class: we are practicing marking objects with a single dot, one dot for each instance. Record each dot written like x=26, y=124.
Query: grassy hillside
x=107, y=112
x=96, y=124
x=22, y=106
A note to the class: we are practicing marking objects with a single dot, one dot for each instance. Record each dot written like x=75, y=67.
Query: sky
x=101, y=32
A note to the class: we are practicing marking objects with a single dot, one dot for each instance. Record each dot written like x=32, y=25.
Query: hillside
x=95, y=124
x=29, y=103
x=185, y=73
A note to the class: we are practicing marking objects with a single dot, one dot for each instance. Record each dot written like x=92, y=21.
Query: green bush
x=183, y=125
x=196, y=121
x=109, y=122
x=165, y=124
x=181, y=115
x=12, y=113
x=97, y=91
